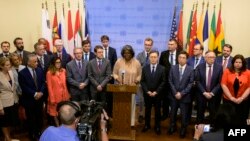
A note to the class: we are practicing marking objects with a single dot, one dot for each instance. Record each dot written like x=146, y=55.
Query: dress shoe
x=146, y=128
x=183, y=133
x=171, y=130
x=158, y=130
x=140, y=119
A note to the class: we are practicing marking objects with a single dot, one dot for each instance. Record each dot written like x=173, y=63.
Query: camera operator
x=225, y=116
x=69, y=114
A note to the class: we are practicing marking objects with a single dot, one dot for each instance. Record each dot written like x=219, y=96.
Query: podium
x=121, y=125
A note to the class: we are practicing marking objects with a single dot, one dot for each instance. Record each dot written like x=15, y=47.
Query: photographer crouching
x=70, y=114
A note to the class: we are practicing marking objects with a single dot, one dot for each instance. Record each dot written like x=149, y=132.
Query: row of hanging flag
x=212, y=39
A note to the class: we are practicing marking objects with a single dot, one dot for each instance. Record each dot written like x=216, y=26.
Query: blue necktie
x=180, y=73
x=172, y=59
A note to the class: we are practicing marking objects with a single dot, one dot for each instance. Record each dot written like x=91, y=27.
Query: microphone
x=123, y=73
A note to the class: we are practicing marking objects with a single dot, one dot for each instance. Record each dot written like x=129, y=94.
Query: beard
x=20, y=48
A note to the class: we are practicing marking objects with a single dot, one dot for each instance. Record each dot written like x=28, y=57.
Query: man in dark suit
x=168, y=58
x=226, y=58
x=5, y=46
x=109, y=52
x=153, y=81
x=208, y=82
x=180, y=79
x=46, y=46
x=87, y=54
x=18, y=42
x=61, y=53
x=143, y=58
x=32, y=83
x=43, y=59
x=99, y=72
x=194, y=61
x=77, y=77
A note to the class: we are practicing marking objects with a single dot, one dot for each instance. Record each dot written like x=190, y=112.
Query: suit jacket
x=219, y=61
x=46, y=61
x=28, y=85
x=191, y=61
x=65, y=58
x=25, y=57
x=99, y=77
x=184, y=86
x=112, y=56
x=1, y=55
x=248, y=62
x=76, y=76
x=91, y=56
x=215, y=80
x=155, y=83
x=8, y=94
x=141, y=57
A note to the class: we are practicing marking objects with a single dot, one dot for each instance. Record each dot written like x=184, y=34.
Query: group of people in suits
x=167, y=81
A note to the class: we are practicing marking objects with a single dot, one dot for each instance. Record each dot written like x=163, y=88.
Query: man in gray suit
x=180, y=80
x=99, y=72
x=77, y=77
x=142, y=57
x=18, y=42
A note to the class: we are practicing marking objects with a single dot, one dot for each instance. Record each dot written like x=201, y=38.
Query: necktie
x=153, y=71
x=147, y=57
x=180, y=73
x=224, y=64
x=99, y=64
x=209, y=76
x=86, y=56
x=6, y=55
x=79, y=65
x=60, y=56
x=106, y=53
x=196, y=60
x=42, y=62
x=172, y=59
x=34, y=77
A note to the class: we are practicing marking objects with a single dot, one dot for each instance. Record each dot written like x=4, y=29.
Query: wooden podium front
x=121, y=124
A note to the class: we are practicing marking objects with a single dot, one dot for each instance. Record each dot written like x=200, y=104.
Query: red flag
x=70, y=34
x=193, y=33
x=55, y=30
x=180, y=31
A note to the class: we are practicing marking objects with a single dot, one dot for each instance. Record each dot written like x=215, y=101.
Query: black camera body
x=89, y=123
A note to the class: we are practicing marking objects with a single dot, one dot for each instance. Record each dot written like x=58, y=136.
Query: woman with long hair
x=57, y=88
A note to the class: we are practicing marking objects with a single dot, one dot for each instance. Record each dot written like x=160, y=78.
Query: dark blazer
x=25, y=57
x=65, y=58
x=191, y=61
x=184, y=86
x=47, y=61
x=99, y=77
x=28, y=86
x=215, y=80
x=76, y=76
x=164, y=60
x=219, y=61
x=112, y=56
x=153, y=84
x=1, y=55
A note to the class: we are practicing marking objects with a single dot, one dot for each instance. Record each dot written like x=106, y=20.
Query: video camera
x=89, y=122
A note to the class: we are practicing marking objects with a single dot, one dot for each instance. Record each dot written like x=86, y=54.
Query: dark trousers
x=34, y=114
x=149, y=102
x=184, y=107
x=165, y=103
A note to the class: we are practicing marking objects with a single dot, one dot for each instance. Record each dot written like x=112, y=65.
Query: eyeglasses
x=57, y=62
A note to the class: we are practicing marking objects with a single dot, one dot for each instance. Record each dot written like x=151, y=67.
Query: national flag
x=205, y=31
x=46, y=30
x=199, y=39
x=193, y=33
x=180, y=30
x=189, y=29
x=55, y=29
x=219, y=36
x=77, y=34
x=70, y=32
x=62, y=31
x=86, y=25
x=173, y=31
x=211, y=43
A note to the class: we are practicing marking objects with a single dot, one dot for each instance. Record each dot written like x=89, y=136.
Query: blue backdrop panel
x=131, y=21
